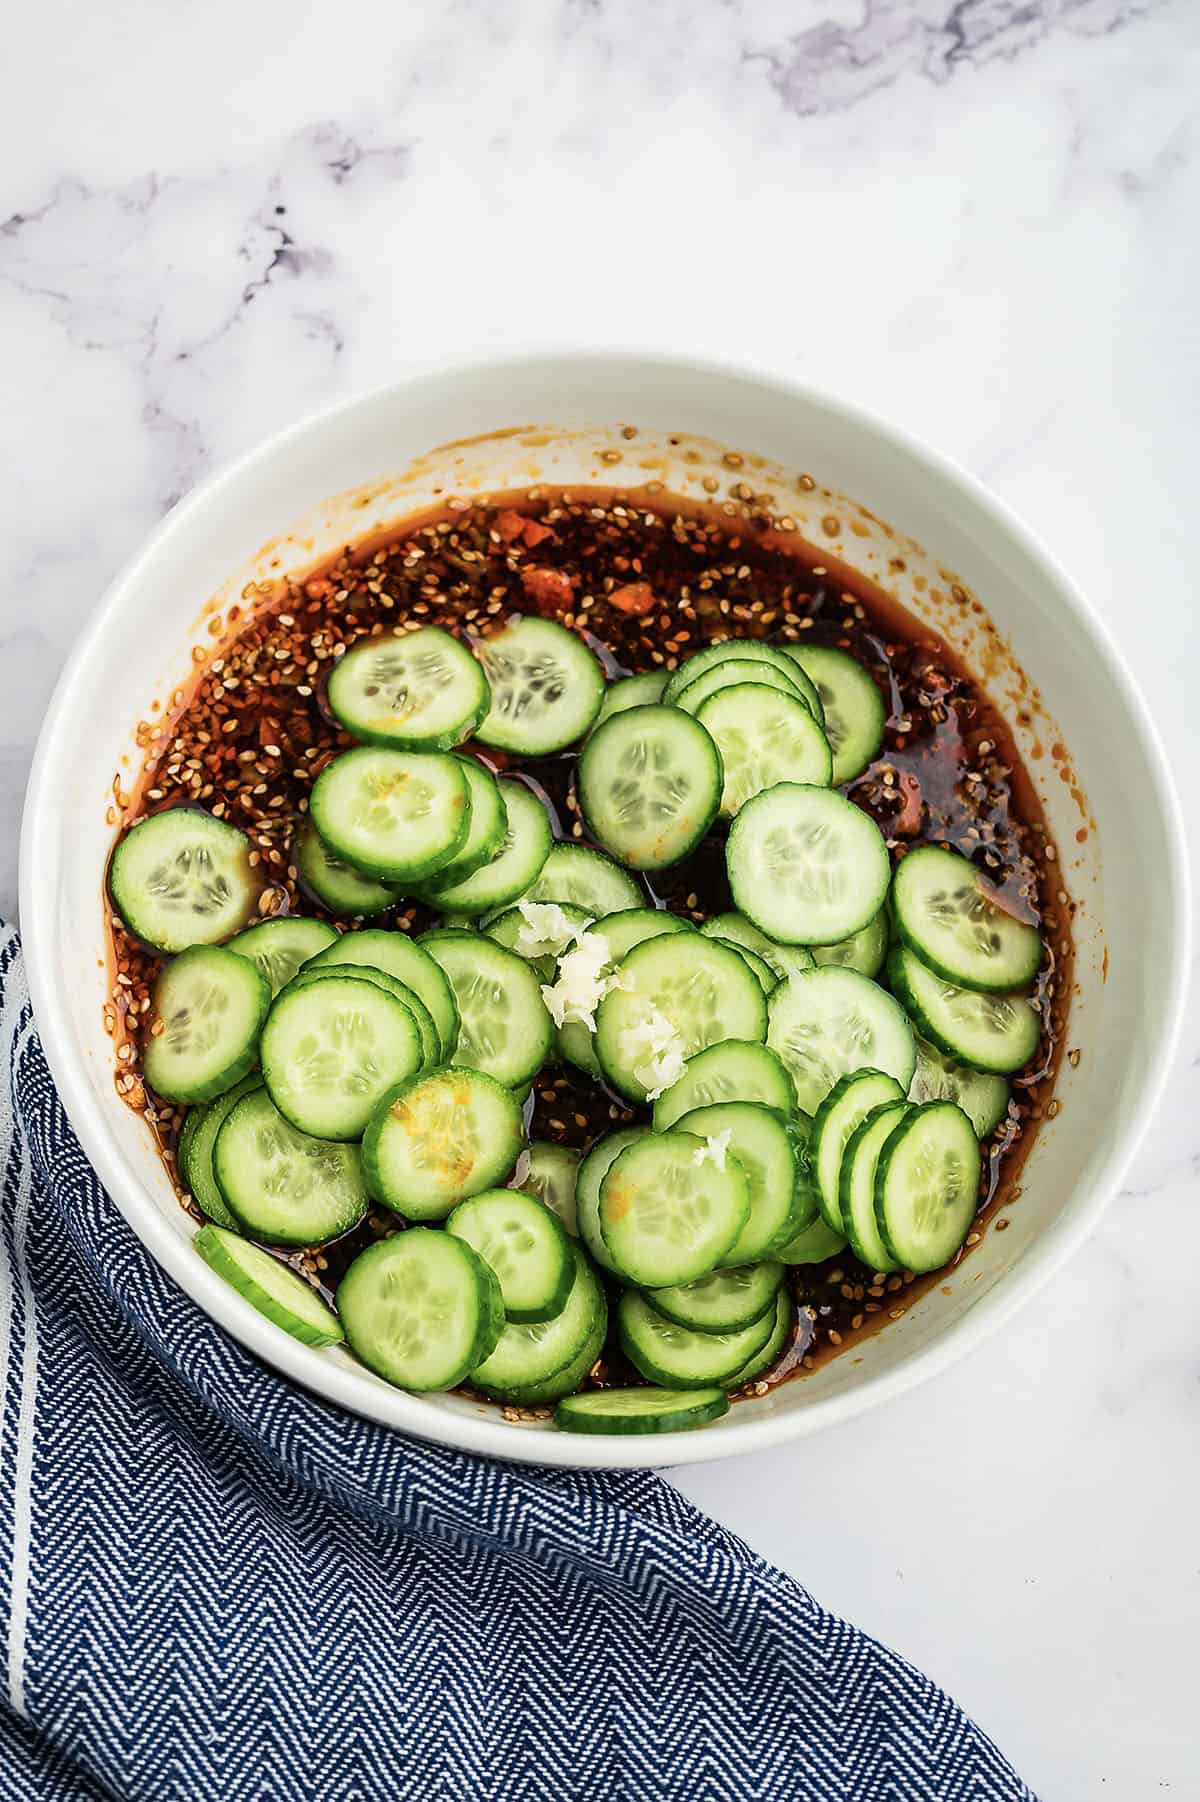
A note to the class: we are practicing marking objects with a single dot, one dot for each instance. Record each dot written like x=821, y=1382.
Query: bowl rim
x=396, y=1408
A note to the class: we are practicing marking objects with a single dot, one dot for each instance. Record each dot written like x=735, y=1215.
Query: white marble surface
x=978, y=219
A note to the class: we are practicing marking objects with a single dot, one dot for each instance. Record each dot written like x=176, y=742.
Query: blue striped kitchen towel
x=215, y=1586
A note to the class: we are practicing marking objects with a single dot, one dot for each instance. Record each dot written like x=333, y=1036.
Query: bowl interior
x=882, y=505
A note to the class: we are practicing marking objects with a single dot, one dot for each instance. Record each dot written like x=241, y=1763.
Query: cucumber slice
x=784, y=960
x=996, y=1033
x=734, y=1070
x=763, y=973
x=572, y=1376
x=283, y=1185
x=504, y=1028
x=764, y=738
x=421, y=1309
x=485, y=834
x=576, y=877
x=742, y=650
x=982, y=1098
x=674, y=996
x=518, y=860
x=670, y=1210
x=863, y=951
x=813, y=1244
x=674, y=1356
x=840, y=1114
x=592, y=1171
x=768, y=1354
x=731, y=673
x=724, y=1302
x=551, y=1176
x=806, y=1206
x=278, y=1293
x=640, y=1410
x=195, y=1151
x=332, y=1047
x=343, y=890
x=828, y=1023
x=421, y=691
x=853, y=706
x=433, y=1141
x=806, y=865
x=950, y=915
x=539, y=931
x=278, y=947
x=398, y=956
x=546, y=685
x=529, y=1355
x=620, y=931
x=430, y=1042
x=631, y=691
x=209, y=1007
x=183, y=878
x=397, y=815
x=756, y=1141
x=857, y=1184
x=524, y=1243
x=927, y=1186
x=649, y=784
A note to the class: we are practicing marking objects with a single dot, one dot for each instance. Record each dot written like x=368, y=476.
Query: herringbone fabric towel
x=213, y=1586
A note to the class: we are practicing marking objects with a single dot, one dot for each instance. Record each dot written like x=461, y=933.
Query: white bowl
x=374, y=456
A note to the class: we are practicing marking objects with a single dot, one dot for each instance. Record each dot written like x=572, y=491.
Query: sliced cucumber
x=853, y=706
x=278, y=947
x=421, y=1309
x=431, y=1051
x=524, y=1243
x=806, y=865
x=208, y=1011
x=279, y=1294
x=764, y=974
x=546, y=687
x=733, y=1070
x=764, y=737
x=343, y=890
x=485, y=834
x=504, y=1028
x=768, y=1355
x=742, y=650
x=572, y=1376
x=982, y=1098
x=529, y=1355
x=631, y=691
x=731, y=674
x=440, y=1138
x=860, y=1162
x=927, y=1186
x=551, y=1175
x=813, y=1244
x=518, y=860
x=420, y=692
x=592, y=1171
x=282, y=1185
x=785, y=960
x=863, y=951
x=755, y=1140
x=397, y=815
x=828, y=1023
x=996, y=1033
x=675, y=1356
x=806, y=1205
x=195, y=1152
x=724, y=1302
x=956, y=923
x=577, y=877
x=398, y=956
x=843, y=1110
x=629, y=1411
x=649, y=783
x=332, y=1047
x=183, y=878
x=669, y=1210
x=674, y=996
x=574, y=997
x=539, y=931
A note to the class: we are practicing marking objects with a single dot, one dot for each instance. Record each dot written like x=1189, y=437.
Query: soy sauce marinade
x=647, y=578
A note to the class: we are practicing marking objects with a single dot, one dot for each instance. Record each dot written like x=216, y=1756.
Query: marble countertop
x=977, y=218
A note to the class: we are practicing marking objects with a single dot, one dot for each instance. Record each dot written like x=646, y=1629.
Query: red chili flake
x=908, y=820
x=634, y=597
x=549, y=589
x=509, y=525
x=533, y=532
